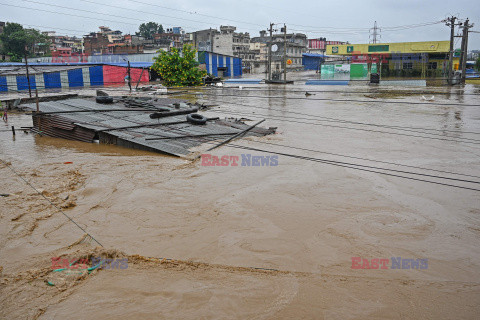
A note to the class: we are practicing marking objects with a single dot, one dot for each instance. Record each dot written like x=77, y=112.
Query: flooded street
x=256, y=242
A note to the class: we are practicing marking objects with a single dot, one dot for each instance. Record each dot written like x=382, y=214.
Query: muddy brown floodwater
x=252, y=242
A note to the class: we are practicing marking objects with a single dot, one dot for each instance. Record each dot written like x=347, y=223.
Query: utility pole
x=463, y=64
x=451, y=23
x=270, y=52
x=285, y=52
x=28, y=75
x=129, y=77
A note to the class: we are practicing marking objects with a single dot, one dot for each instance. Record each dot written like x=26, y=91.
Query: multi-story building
x=174, y=40
x=296, y=45
x=255, y=60
x=226, y=41
x=58, y=42
x=176, y=30
x=319, y=45
x=111, y=42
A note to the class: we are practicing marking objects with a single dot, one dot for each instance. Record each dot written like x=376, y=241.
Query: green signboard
x=349, y=49
x=379, y=48
x=334, y=49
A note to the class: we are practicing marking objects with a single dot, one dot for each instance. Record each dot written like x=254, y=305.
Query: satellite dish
x=274, y=48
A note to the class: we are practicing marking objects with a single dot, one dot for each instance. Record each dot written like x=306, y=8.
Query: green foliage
x=178, y=71
x=477, y=64
x=15, y=40
x=147, y=30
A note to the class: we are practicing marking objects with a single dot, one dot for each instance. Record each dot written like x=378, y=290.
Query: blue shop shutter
x=22, y=82
x=214, y=65
x=75, y=78
x=228, y=73
x=3, y=84
x=96, y=76
x=52, y=80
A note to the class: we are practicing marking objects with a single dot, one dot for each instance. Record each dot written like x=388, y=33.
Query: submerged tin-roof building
x=128, y=122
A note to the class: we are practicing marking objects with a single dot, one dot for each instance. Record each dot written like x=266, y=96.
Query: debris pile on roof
x=152, y=124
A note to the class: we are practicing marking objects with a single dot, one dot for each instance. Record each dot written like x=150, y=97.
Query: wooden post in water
x=38, y=110
x=36, y=99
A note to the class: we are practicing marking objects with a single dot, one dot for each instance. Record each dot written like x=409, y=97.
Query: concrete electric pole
x=285, y=52
x=463, y=63
x=269, y=67
x=451, y=23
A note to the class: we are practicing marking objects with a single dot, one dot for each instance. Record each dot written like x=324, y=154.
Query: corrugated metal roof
x=110, y=126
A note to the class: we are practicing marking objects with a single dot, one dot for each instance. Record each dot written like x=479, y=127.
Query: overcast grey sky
x=336, y=20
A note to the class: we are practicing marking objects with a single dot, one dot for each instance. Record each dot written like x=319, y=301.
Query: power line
x=246, y=89
x=207, y=140
x=346, y=100
x=347, y=165
x=190, y=12
x=415, y=129
x=129, y=9
x=68, y=14
x=106, y=14
x=367, y=159
x=51, y=203
x=391, y=170
x=350, y=128
x=355, y=167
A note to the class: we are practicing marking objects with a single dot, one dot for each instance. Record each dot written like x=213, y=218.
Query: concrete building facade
x=296, y=45
x=226, y=41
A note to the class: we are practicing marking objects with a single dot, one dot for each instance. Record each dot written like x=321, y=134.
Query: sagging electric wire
x=349, y=128
x=349, y=165
x=49, y=201
x=375, y=91
x=355, y=167
x=342, y=100
x=412, y=129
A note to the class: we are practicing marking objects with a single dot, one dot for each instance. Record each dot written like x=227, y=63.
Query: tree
x=16, y=41
x=176, y=70
x=477, y=64
x=147, y=30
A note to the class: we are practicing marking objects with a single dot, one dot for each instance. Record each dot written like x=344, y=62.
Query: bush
x=179, y=71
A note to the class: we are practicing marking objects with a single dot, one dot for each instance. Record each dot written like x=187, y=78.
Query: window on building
x=407, y=65
x=432, y=65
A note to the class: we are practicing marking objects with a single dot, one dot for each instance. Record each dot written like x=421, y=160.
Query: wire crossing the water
x=51, y=203
x=339, y=100
x=353, y=166
x=385, y=171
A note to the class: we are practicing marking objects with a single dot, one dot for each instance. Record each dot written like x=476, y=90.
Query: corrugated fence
x=73, y=78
